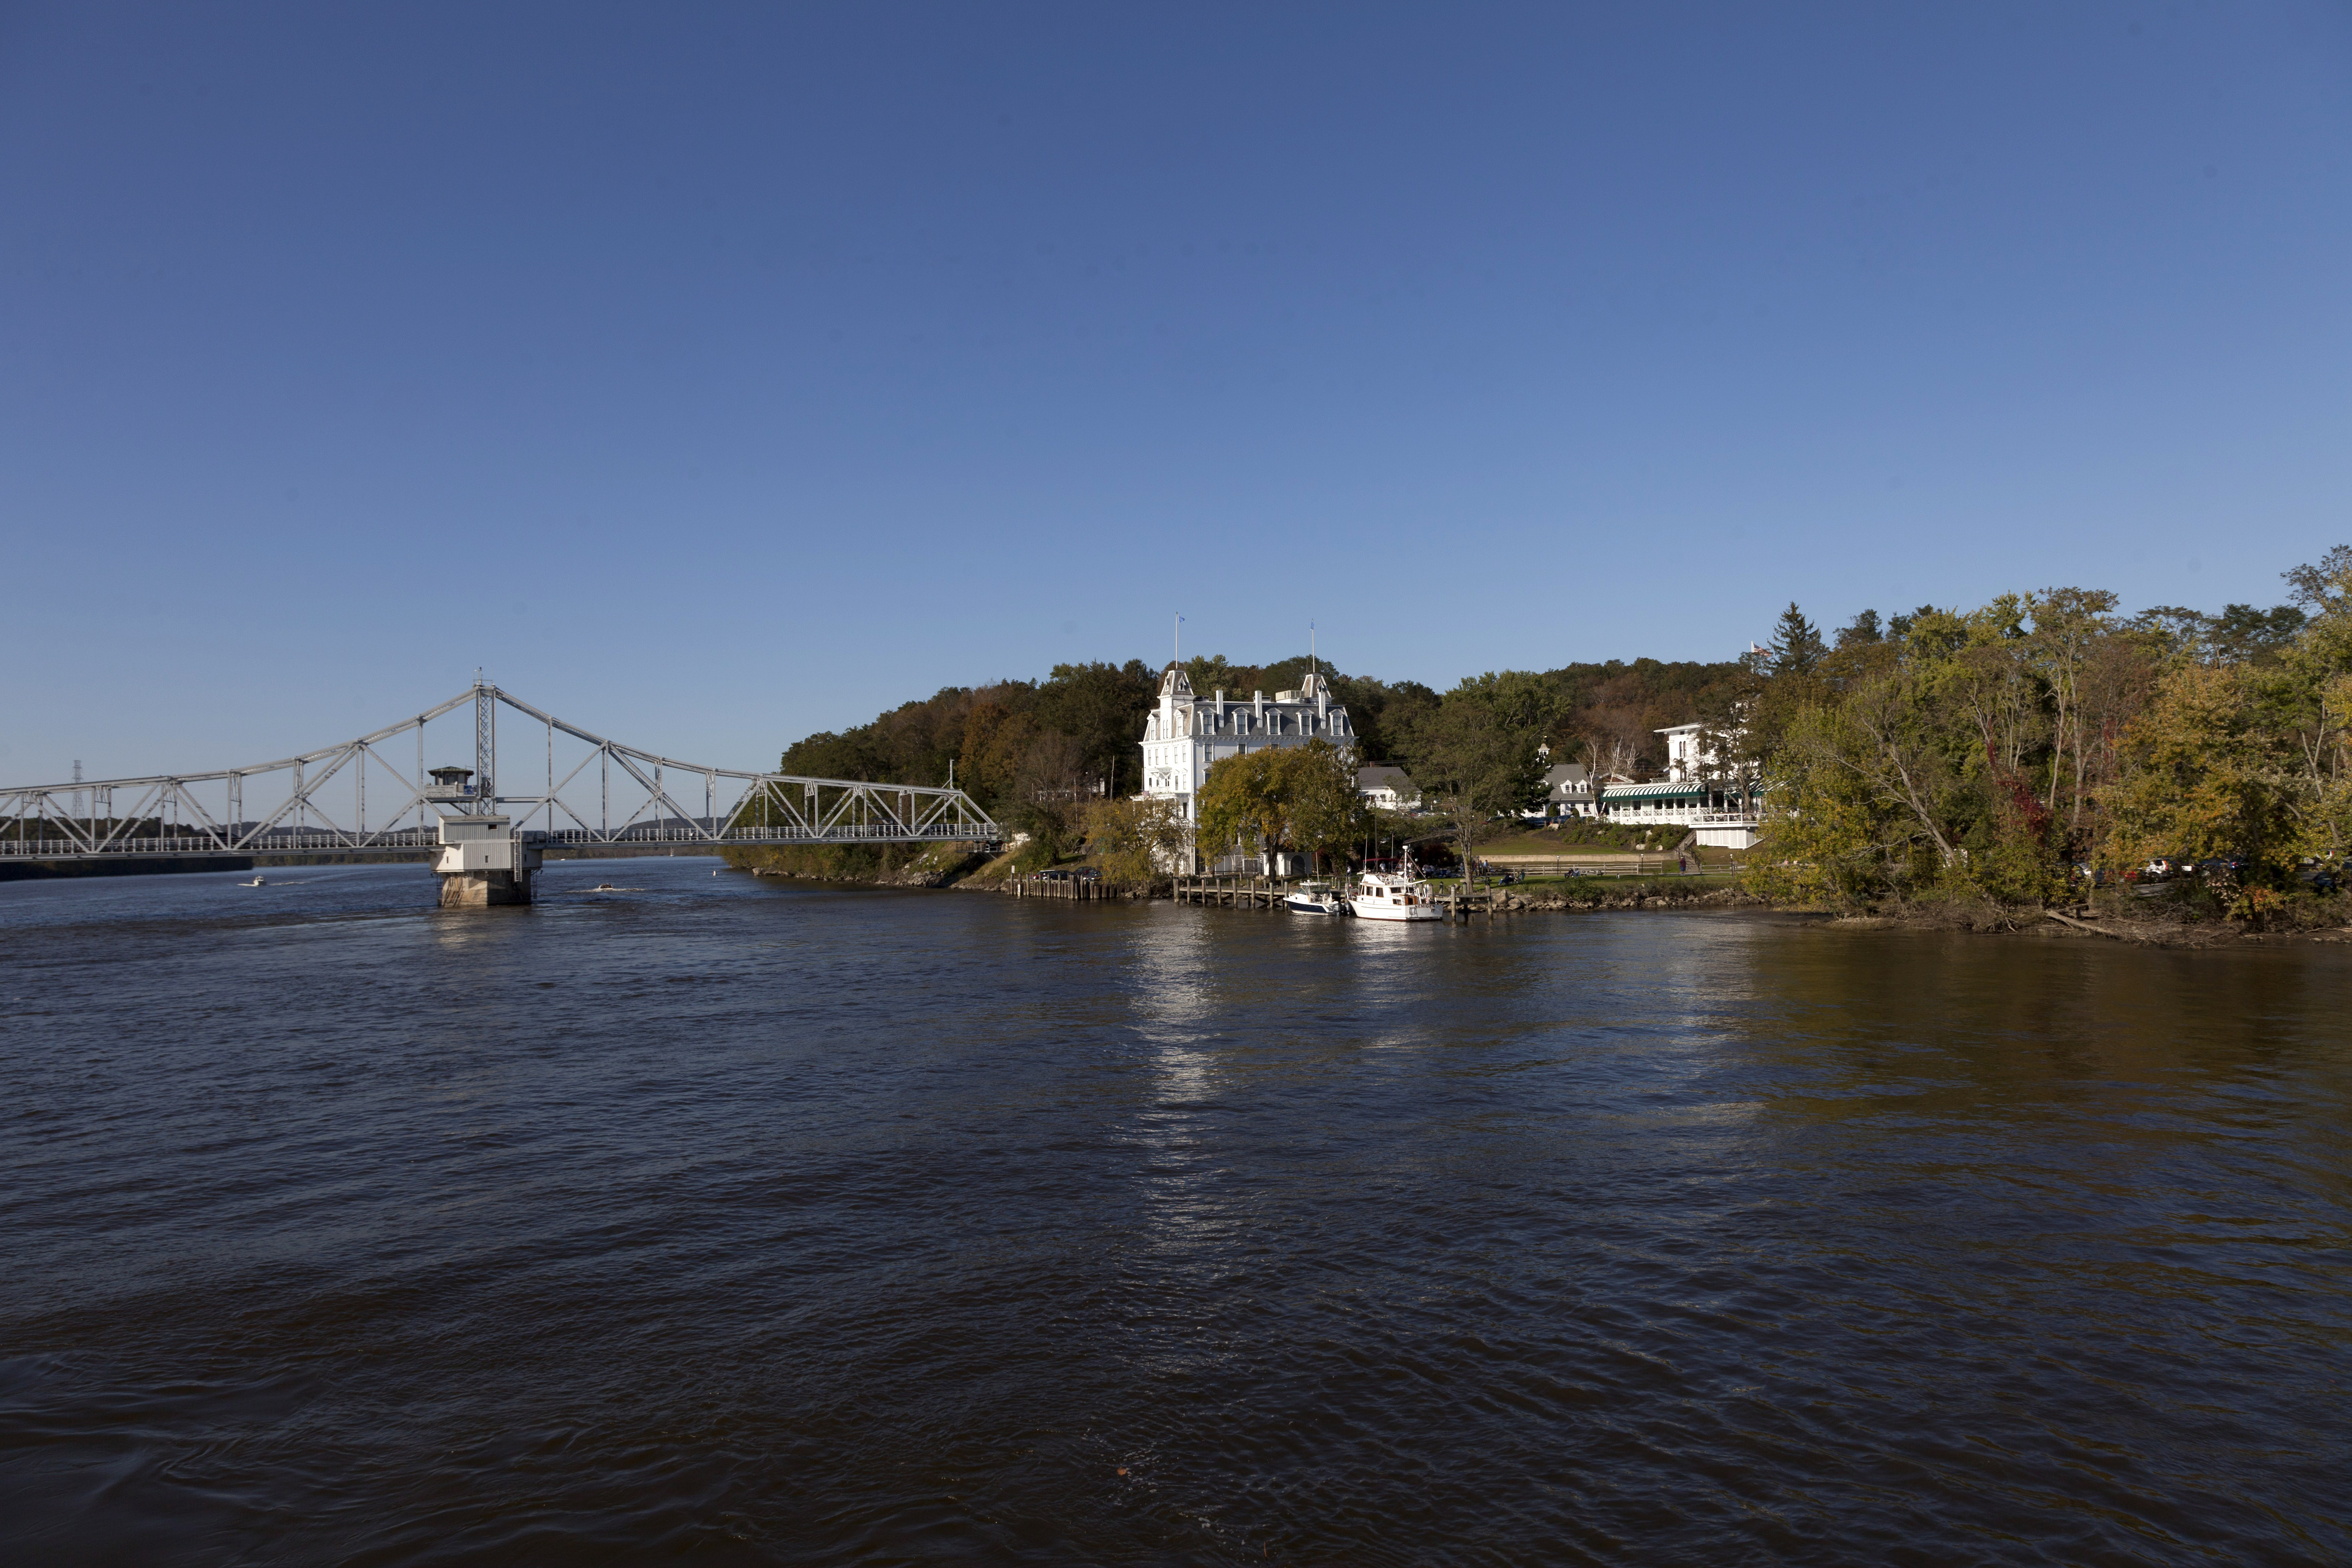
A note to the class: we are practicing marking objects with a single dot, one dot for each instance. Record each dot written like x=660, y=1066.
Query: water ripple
x=762, y=1224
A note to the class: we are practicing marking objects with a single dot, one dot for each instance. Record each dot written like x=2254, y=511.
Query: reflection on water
x=758, y=1223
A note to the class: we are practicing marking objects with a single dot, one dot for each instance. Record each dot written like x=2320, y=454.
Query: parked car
x=1086, y=874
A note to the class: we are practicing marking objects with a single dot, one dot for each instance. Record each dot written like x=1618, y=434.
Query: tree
x=1243, y=802
x=2067, y=622
x=1476, y=756
x=994, y=741
x=1864, y=629
x=2305, y=694
x=1830, y=835
x=1134, y=841
x=1896, y=773
x=1101, y=706
x=1796, y=647
x=2323, y=587
x=1326, y=814
x=2178, y=629
x=2200, y=785
x=1777, y=687
x=1049, y=791
x=1898, y=758
x=2242, y=633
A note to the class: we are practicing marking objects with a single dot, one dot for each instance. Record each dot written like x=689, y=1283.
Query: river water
x=739, y=1222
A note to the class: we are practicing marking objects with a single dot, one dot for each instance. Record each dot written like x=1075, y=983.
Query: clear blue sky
x=714, y=376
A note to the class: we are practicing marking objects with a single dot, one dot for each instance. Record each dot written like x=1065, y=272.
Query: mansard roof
x=1173, y=682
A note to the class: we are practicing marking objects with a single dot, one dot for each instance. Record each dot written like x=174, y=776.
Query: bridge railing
x=24, y=848
x=410, y=840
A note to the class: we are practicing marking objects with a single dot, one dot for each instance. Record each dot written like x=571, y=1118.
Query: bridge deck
x=410, y=841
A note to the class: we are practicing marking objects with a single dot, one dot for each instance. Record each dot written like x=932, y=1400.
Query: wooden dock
x=1070, y=888
x=1230, y=892
x=1266, y=893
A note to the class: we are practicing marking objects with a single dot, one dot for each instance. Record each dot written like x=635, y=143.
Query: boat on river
x=1315, y=898
x=1385, y=896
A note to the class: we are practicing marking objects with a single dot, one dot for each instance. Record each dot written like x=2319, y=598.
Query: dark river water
x=732, y=1222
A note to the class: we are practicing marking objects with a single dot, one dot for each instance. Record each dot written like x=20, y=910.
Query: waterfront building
x=1387, y=788
x=1569, y=791
x=1186, y=735
x=1694, y=793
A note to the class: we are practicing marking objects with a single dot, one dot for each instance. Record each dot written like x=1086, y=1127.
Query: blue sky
x=711, y=376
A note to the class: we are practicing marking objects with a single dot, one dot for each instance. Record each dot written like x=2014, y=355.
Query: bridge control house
x=1185, y=736
x=481, y=860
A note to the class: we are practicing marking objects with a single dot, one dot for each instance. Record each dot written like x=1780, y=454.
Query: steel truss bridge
x=319, y=801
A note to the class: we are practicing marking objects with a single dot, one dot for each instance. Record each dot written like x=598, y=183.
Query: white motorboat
x=1315, y=898
x=257, y=882
x=1385, y=896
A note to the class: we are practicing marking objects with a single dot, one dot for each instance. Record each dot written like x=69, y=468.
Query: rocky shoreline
x=910, y=877
x=2057, y=925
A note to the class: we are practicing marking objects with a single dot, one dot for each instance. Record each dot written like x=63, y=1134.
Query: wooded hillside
x=1079, y=728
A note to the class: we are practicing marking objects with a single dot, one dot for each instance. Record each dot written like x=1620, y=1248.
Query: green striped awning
x=1689, y=791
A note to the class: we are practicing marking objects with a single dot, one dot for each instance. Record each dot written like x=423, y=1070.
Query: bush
x=1037, y=854
x=1132, y=840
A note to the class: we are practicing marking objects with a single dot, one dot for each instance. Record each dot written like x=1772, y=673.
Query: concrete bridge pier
x=483, y=861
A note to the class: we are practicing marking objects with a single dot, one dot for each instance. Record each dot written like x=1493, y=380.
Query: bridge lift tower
x=483, y=861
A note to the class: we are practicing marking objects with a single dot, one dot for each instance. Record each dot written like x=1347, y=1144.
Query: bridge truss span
x=560, y=785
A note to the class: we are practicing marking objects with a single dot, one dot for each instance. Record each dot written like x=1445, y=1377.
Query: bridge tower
x=482, y=859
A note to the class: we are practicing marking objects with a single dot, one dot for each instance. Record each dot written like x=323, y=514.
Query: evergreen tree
x=1797, y=646
x=1862, y=630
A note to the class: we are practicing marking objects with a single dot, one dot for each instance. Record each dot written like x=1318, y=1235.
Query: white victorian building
x=1694, y=794
x=1186, y=735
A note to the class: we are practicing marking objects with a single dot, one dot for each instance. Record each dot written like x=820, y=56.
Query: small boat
x=1384, y=896
x=1315, y=898
x=604, y=888
x=257, y=882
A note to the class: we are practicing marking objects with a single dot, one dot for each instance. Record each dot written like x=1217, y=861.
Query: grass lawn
x=1581, y=838
x=1597, y=887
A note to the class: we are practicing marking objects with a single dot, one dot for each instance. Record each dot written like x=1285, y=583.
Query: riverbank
x=963, y=868
x=2073, y=925
x=875, y=866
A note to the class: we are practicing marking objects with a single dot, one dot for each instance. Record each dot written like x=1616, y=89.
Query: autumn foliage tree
x=1281, y=799
x=1477, y=759
x=1990, y=753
